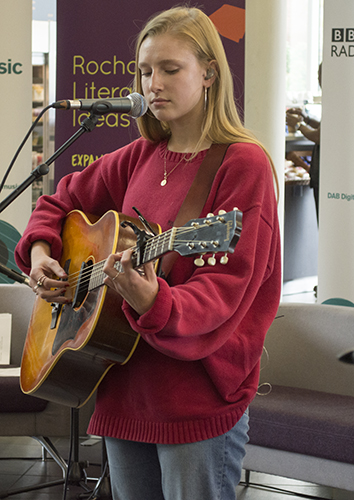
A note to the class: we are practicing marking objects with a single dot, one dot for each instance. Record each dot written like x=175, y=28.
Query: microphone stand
x=87, y=125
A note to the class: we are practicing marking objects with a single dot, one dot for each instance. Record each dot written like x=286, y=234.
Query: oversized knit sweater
x=196, y=367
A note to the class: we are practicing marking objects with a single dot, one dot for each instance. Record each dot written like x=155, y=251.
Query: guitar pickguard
x=72, y=319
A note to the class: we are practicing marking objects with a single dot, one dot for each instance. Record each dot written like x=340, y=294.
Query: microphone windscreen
x=139, y=107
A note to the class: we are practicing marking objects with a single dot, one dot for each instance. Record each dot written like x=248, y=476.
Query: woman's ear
x=210, y=74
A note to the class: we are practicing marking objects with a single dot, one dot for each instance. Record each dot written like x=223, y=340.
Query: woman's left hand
x=138, y=288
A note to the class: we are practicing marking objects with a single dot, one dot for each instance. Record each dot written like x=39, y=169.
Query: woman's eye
x=146, y=73
x=172, y=71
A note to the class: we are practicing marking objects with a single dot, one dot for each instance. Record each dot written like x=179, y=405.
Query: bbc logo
x=343, y=35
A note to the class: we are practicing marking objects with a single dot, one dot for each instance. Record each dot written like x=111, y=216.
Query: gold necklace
x=165, y=174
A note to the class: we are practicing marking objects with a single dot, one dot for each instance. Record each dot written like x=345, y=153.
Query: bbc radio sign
x=342, y=42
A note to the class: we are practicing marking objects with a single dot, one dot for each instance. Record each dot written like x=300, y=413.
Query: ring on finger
x=116, y=276
x=35, y=288
x=41, y=279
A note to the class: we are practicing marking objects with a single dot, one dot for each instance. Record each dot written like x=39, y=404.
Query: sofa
x=302, y=419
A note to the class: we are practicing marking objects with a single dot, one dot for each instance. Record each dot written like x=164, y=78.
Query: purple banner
x=95, y=60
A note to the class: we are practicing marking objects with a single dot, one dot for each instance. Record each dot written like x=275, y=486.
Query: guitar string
x=94, y=271
x=97, y=264
x=148, y=248
x=97, y=267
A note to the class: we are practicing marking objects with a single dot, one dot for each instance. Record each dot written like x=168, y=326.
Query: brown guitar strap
x=197, y=195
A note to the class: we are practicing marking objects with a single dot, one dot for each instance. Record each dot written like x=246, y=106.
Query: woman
x=175, y=416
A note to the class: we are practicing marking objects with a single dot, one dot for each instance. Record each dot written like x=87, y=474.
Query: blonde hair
x=222, y=123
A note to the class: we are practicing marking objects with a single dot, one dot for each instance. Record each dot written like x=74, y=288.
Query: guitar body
x=68, y=351
x=70, y=348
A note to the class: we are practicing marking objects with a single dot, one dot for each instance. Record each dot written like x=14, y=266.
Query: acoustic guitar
x=70, y=348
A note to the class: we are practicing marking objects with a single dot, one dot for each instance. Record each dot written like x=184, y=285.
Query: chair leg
x=53, y=452
x=274, y=489
x=73, y=474
x=50, y=448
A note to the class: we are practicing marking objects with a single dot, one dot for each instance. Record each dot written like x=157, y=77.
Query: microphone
x=14, y=275
x=134, y=105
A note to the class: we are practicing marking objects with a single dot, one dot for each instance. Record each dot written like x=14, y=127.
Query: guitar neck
x=212, y=234
x=154, y=248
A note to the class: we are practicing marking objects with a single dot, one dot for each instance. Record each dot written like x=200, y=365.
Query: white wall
x=336, y=234
x=16, y=110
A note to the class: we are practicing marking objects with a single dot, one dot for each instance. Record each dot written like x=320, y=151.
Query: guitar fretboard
x=199, y=236
x=153, y=248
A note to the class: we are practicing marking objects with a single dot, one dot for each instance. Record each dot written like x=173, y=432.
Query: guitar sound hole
x=83, y=284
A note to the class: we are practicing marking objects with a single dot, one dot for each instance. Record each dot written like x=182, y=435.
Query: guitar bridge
x=56, y=308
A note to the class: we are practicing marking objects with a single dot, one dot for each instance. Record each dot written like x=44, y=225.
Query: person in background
x=310, y=128
x=175, y=417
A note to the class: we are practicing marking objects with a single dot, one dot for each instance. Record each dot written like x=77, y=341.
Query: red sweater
x=196, y=366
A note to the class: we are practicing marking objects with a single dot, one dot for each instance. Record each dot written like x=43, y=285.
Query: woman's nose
x=156, y=83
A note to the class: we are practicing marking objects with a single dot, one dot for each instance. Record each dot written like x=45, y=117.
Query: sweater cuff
x=23, y=249
x=157, y=317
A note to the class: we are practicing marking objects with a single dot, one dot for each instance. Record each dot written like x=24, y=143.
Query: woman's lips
x=159, y=101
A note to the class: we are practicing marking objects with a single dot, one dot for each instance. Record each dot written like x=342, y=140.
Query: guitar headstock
x=212, y=234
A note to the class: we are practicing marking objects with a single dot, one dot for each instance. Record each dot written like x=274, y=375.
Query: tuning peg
x=199, y=261
x=212, y=260
x=220, y=217
x=208, y=220
x=224, y=259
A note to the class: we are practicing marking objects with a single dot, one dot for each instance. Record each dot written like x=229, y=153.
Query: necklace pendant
x=163, y=182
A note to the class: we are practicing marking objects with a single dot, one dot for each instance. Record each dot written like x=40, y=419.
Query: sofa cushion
x=304, y=421
x=13, y=400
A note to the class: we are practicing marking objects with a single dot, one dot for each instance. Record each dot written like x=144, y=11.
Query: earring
x=205, y=98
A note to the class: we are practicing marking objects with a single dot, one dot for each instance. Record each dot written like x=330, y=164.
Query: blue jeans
x=206, y=470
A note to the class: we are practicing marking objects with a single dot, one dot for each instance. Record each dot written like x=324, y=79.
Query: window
x=304, y=53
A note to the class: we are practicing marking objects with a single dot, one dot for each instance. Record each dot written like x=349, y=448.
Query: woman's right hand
x=44, y=275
